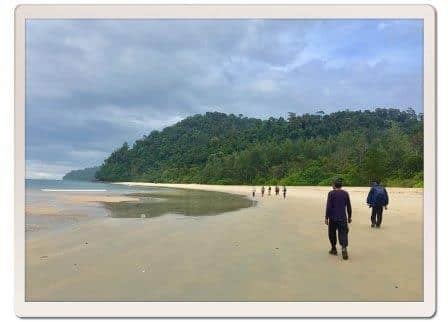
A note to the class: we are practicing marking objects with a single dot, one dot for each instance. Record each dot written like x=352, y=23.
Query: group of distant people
x=263, y=190
x=338, y=213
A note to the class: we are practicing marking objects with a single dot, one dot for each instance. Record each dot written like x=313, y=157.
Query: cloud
x=38, y=169
x=94, y=84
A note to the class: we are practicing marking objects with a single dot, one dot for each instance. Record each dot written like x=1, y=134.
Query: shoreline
x=247, y=189
x=67, y=209
x=276, y=251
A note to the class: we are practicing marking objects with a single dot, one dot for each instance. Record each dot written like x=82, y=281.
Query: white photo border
x=425, y=308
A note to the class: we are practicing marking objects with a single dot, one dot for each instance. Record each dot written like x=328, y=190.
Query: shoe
x=333, y=251
x=378, y=226
x=372, y=225
x=344, y=253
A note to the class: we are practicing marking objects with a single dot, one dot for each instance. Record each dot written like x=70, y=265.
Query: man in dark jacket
x=338, y=207
x=377, y=199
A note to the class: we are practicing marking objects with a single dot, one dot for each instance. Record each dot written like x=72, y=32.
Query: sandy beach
x=274, y=251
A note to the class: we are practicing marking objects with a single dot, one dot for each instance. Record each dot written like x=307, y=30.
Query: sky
x=93, y=84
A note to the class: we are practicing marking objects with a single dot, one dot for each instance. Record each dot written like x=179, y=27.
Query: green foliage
x=217, y=148
x=87, y=174
x=415, y=182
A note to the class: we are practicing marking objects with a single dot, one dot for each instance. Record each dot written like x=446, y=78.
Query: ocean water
x=55, y=197
x=41, y=185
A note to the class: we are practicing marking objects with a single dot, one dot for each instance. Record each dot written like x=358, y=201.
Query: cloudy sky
x=93, y=84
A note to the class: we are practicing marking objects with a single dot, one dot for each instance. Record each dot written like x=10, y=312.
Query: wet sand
x=62, y=210
x=100, y=198
x=275, y=251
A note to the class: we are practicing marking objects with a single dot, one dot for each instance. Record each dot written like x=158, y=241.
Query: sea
x=62, y=197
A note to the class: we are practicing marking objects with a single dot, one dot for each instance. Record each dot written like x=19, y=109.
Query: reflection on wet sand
x=184, y=202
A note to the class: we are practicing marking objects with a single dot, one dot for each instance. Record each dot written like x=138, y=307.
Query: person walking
x=377, y=199
x=284, y=192
x=269, y=190
x=338, y=215
x=253, y=192
x=277, y=190
x=262, y=191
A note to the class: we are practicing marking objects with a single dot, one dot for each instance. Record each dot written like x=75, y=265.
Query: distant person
x=277, y=190
x=262, y=191
x=253, y=192
x=338, y=207
x=269, y=190
x=284, y=192
x=377, y=199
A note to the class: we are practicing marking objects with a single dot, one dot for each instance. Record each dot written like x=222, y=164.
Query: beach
x=276, y=250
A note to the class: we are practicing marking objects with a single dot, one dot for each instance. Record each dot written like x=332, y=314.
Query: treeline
x=311, y=149
x=87, y=174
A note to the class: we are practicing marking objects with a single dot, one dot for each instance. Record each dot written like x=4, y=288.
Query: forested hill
x=217, y=148
x=87, y=174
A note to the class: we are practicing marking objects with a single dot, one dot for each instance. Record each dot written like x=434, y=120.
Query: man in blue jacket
x=338, y=207
x=377, y=200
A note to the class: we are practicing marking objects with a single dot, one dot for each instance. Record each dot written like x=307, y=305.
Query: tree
x=304, y=149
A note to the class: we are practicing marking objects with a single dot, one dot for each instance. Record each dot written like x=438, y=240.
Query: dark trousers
x=377, y=215
x=341, y=227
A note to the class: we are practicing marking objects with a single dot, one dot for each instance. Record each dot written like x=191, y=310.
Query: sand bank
x=100, y=198
x=275, y=251
x=65, y=210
